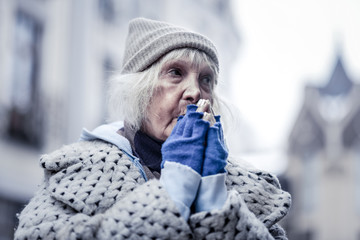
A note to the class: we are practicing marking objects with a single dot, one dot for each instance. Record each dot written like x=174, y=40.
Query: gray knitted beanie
x=148, y=40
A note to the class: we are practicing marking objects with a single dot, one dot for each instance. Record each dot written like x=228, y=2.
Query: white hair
x=129, y=95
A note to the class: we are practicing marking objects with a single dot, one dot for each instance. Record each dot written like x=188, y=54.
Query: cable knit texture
x=148, y=40
x=92, y=190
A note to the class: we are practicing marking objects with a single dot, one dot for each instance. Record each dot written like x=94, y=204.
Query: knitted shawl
x=92, y=190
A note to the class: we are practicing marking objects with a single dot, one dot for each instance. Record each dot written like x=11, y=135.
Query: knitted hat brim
x=171, y=41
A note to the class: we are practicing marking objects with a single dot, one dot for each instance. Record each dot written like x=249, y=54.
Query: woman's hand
x=186, y=144
x=195, y=144
x=216, y=151
x=205, y=107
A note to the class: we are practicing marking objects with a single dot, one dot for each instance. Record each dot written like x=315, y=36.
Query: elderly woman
x=163, y=173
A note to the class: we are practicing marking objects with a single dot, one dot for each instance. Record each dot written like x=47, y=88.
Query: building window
x=351, y=133
x=107, y=69
x=307, y=235
x=221, y=7
x=8, y=220
x=106, y=9
x=25, y=111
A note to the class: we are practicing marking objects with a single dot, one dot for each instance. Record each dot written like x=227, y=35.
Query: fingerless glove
x=216, y=151
x=186, y=143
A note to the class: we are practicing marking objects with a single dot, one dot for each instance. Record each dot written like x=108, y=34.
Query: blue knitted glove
x=186, y=143
x=216, y=151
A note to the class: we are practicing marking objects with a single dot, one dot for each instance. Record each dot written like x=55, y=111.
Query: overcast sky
x=286, y=44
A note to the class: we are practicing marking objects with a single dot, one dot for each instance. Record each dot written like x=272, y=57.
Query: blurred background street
x=290, y=68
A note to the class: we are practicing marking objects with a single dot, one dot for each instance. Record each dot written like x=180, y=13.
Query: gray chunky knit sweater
x=92, y=190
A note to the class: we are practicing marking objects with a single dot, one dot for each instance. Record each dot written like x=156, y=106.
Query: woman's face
x=180, y=83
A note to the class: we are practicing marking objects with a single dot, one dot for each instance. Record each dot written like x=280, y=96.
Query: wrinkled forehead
x=195, y=57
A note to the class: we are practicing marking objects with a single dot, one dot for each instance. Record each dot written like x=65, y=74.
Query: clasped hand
x=197, y=141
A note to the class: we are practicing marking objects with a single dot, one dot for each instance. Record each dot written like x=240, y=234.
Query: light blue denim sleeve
x=181, y=183
x=212, y=193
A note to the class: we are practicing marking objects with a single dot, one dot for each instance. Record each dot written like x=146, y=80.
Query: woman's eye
x=206, y=80
x=175, y=72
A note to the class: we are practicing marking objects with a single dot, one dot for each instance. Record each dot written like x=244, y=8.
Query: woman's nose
x=192, y=92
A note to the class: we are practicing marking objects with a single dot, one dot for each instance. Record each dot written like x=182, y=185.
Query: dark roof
x=339, y=83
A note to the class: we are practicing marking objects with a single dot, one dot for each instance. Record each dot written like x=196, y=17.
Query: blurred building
x=324, y=162
x=55, y=59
